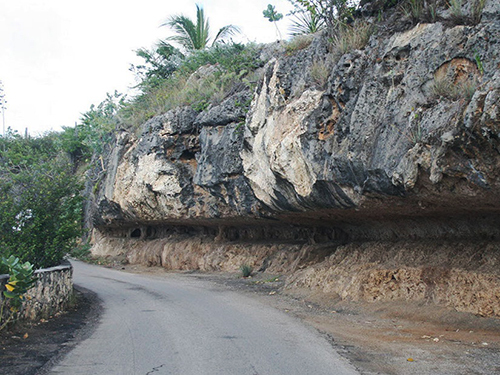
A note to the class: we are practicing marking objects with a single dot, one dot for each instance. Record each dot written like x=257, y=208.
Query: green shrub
x=246, y=270
x=20, y=281
x=81, y=252
x=40, y=204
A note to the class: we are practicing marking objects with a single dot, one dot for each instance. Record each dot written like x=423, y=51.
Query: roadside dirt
x=378, y=338
x=31, y=348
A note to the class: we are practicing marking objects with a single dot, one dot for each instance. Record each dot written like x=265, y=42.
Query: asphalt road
x=174, y=324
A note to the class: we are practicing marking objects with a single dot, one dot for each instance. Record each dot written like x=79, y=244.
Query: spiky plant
x=306, y=22
x=196, y=36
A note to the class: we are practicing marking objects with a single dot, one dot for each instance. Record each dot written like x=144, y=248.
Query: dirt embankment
x=463, y=275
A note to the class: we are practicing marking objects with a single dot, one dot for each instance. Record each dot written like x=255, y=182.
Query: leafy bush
x=40, y=204
x=20, y=281
x=90, y=136
x=82, y=252
x=332, y=13
x=159, y=63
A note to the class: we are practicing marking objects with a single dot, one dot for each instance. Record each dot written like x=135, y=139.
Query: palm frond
x=202, y=29
x=185, y=30
x=225, y=32
x=193, y=36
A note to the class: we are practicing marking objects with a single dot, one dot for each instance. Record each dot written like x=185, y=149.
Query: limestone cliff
x=396, y=144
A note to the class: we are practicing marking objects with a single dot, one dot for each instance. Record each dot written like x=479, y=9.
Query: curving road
x=177, y=325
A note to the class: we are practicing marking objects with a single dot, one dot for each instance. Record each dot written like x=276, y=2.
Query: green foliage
x=40, y=204
x=273, y=16
x=196, y=36
x=233, y=57
x=159, y=63
x=82, y=252
x=246, y=270
x=20, y=281
x=306, y=22
x=333, y=13
x=94, y=131
x=479, y=62
x=231, y=68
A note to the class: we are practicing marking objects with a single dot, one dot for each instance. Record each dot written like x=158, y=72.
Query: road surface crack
x=155, y=369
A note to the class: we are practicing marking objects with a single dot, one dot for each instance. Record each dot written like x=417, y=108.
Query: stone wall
x=51, y=293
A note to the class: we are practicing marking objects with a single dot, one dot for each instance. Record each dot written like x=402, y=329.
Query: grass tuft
x=353, y=37
x=320, y=72
x=246, y=270
x=298, y=43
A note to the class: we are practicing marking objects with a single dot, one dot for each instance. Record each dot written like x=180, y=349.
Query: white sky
x=57, y=57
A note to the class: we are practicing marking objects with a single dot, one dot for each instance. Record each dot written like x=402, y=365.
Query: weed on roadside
x=246, y=270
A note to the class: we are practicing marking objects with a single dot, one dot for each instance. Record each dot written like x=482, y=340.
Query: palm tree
x=193, y=36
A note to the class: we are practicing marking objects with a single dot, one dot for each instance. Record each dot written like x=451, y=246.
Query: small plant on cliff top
x=20, y=281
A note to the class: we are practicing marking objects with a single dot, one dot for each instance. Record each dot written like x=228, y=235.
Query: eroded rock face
x=412, y=118
x=382, y=125
x=397, y=142
x=180, y=168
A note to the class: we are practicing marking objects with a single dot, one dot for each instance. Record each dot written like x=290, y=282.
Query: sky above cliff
x=57, y=57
